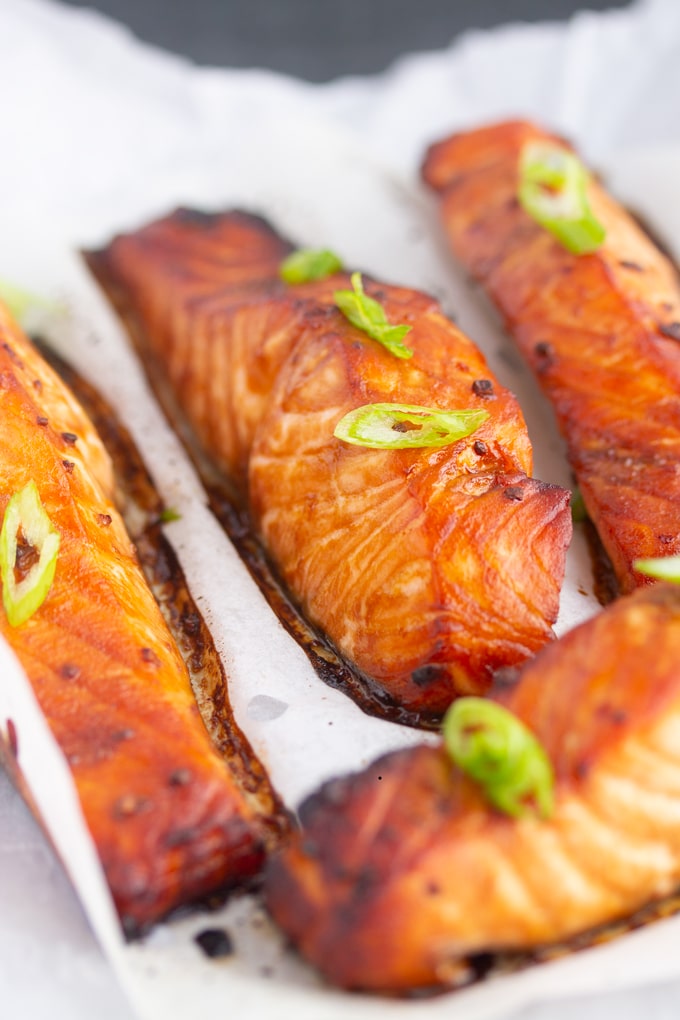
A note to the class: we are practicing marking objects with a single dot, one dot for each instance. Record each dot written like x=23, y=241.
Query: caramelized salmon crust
x=427, y=569
x=403, y=871
x=601, y=332
x=170, y=819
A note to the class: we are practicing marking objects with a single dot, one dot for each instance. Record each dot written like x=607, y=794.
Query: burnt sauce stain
x=141, y=507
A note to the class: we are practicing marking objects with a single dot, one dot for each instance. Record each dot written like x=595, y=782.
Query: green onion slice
x=406, y=426
x=665, y=568
x=552, y=191
x=20, y=302
x=495, y=749
x=29, y=544
x=168, y=515
x=368, y=315
x=308, y=264
x=579, y=512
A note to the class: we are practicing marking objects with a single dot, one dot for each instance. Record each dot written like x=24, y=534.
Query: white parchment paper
x=100, y=134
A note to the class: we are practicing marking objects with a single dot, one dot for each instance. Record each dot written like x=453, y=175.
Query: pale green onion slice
x=26, y=528
x=20, y=302
x=664, y=568
x=552, y=191
x=579, y=512
x=406, y=426
x=502, y=755
x=368, y=315
x=308, y=264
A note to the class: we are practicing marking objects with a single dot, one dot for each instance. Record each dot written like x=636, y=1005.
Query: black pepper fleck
x=42, y=420
x=69, y=671
x=215, y=942
x=482, y=388
x=148, y=655
x=70, y=438
x=68, y=466
x=180, y=777
x=480, y=447
x=514, y=492
x=426, y=675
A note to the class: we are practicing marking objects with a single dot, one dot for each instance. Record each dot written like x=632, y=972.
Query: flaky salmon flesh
x=601, y=331
x=403, y=871
x=169, y=820
x=427, y=569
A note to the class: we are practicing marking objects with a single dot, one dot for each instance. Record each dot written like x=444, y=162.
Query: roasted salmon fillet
x=403, y=871
x=170, y=819
x=427, y=569
x=601, y=331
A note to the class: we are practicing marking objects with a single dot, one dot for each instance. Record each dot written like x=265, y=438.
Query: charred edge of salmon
x=228, y=508
x=468, y=970
x=141, y=508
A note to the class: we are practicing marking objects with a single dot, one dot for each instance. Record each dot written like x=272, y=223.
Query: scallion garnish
x=20, y=302
x=664, y=568
x=552, y=190
x=29, y=544
x=502, y=755
x=406, y=426
x=308, y=264
x=579, y=513
x=368, y=315
x=168, y=515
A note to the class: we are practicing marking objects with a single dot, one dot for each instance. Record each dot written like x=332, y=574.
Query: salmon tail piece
x=601, y=332
x=405, y=879
x=172, y=820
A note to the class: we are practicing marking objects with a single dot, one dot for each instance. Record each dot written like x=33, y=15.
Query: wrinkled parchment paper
x=102, y=134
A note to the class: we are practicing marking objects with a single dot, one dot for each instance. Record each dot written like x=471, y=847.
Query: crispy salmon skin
x=403, y=871
x=170, y=820
x=601, y=331
x=427, y=569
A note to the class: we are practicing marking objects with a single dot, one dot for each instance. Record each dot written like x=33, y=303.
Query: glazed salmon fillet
x=427, y=569
x=601, y=331
x=403, y=871
x=170, y=819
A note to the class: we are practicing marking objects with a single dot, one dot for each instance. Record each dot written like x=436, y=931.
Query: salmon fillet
x=601, y=331
x=170, y=819
x=403, y=871
x=426, y=569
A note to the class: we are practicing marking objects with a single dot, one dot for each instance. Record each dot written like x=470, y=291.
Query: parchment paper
x=101, y=134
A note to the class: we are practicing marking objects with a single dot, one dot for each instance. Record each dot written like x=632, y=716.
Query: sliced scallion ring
x=406, y=426
x=369, y=316
x=553, y=191
x=307, y=264
x=663, y=568
x=496, y=749
x=29, y=544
